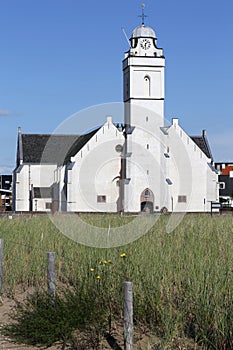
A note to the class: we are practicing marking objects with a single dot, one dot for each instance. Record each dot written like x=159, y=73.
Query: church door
x=147, y=201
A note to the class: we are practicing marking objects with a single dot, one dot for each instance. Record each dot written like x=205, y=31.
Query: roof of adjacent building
x=50, y=149
x=203, y=144
x=224, y=167
x=227, y=170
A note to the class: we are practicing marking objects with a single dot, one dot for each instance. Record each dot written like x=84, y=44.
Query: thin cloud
x=7, y=113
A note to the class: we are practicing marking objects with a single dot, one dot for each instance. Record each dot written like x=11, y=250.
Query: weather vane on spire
x=143, y=14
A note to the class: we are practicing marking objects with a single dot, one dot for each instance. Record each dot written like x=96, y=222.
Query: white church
x=142, y=165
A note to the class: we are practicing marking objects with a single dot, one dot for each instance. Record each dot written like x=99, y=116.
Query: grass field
x=183, y=281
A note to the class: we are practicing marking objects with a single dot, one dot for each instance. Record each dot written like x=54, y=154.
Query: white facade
x=93, y=176
x=142, y=165
x=27, y=177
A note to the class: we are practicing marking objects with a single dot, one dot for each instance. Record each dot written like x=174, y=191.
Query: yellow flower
x=109, y=261
x=98, y=277
x=123, y=255
x=105, y=262
x=91, y=269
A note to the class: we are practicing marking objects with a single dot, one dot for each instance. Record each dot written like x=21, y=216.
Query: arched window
x=147, y=85
x=147, y=193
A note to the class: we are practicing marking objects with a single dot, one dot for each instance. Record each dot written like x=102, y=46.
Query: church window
x=96, y=138
x=147, y=172
x=147, y=146
x=182, y=199
x=147, y=193
x=48, y=205
x=147, y=85
x=147, y=118
x=134, y=43
x=101, y=199
x=180, y=133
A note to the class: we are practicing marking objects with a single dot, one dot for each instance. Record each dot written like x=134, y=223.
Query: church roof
x=203, y=144
x=143, y=32
x=50, y=149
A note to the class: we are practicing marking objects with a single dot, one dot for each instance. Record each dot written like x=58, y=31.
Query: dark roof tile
x=202, y=143
x=52, y=149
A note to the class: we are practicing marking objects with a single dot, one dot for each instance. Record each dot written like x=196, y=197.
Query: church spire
x=143, y=14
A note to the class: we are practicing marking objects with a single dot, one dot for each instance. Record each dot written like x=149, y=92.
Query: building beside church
x=5, y=192
x=143, y=164
x=225, y=184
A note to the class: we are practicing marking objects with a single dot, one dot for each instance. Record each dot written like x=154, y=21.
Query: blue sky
x=59, y=57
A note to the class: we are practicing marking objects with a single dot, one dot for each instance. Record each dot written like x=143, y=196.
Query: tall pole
x=128, y=316
x=1, y=265
x=51, y=273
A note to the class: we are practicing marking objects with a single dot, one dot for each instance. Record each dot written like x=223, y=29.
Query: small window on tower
x=147, y=85
x=147, y=119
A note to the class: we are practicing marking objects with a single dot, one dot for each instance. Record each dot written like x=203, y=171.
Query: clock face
x=145, y=44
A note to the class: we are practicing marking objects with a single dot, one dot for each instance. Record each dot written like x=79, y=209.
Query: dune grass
x=183, y=281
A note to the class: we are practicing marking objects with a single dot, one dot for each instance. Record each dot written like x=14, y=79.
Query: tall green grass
x=183, y=281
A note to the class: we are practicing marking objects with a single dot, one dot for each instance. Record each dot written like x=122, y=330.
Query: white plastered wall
x=36, y=175
x=95, y=172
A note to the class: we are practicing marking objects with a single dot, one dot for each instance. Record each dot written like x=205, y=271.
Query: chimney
x=175, y=121
x=109, y=119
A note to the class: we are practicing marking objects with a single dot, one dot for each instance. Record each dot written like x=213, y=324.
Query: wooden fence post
x=1, y=264
x=128, y=316
x=51, y=273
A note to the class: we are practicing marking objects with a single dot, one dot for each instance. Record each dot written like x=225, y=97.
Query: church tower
x=143, y=78
x=143, y=71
